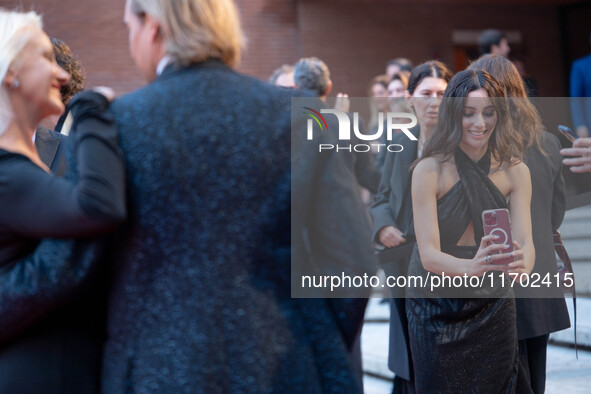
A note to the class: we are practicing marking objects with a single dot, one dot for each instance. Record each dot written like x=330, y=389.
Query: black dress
x=61, y=353
x=463, y=345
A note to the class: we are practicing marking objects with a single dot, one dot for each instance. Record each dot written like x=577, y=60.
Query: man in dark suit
x=313, y=74
x=199, y=296
x=201, y=275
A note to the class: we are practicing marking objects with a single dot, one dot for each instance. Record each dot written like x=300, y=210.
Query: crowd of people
x=143, y=250
x=441, y=174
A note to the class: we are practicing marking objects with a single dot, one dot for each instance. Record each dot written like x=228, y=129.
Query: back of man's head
x=312, y=73
x=196, y=30
x=488, y=38
x=403, y=63
x=282, y=76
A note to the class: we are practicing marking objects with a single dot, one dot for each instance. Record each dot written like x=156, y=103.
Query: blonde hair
x=14, y=35
x=196, y=30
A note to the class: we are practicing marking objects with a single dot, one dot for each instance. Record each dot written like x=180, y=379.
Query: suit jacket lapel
x=401, y=179
x=47, y=145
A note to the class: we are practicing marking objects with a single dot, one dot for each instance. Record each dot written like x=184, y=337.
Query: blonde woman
x=61, y=352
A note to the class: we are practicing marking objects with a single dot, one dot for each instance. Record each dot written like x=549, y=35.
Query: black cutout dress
x=463, y=345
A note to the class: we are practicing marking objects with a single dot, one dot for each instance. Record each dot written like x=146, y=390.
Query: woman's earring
x=15, y=84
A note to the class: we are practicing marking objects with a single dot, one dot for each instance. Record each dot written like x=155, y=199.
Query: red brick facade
x=355, y=38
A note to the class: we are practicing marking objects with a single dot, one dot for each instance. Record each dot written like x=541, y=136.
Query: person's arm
x=381, y=212
x=41, y=282
x=42, y=205
x=425, y=181
x=520, y=209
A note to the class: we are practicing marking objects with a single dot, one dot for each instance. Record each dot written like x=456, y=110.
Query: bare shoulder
x=515, y=169
x=426, y=165
x=518, y=171
x=426, y=175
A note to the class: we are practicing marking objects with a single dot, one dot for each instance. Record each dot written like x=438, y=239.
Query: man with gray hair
x=311, y=73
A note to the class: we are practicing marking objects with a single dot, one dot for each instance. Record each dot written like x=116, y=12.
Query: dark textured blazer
x=540, y=316
x=366, y=171
x=361, y=164
x=387, y=208
x=199, y=277
x=393, y=207
x=200, y=288
x=52, y=149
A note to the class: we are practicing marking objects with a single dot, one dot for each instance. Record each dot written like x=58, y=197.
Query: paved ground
x=565, y=374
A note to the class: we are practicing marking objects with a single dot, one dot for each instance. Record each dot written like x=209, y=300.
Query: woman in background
x=392, y=207
x=396, y=103
x=536, y=317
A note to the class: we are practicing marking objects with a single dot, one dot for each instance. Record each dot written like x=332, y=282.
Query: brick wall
x=355, y=38
x=271, y=27
x=95, y=32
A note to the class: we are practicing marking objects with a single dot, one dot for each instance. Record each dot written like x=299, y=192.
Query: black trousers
x=532, y=365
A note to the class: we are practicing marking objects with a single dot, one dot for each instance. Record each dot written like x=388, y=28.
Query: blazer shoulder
x=47, y=135
x=551, y=145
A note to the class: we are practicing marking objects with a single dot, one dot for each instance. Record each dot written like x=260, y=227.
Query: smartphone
x=567, y=133
x=497, y=222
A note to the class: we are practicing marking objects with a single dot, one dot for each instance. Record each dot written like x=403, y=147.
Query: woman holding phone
x=471, y=164
x=62, y=352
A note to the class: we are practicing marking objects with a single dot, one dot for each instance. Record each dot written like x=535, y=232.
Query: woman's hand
x=487, y=254
x=517, y=267
x=105, y=91
x=342, y=102
x=391, y=237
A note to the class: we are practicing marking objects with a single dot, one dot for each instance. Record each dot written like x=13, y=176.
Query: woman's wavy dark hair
x=505, y=144
x=524, y=115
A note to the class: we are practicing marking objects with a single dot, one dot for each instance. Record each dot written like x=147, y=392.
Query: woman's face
x=396, y=88
x=395, y=92
x=379, y=93
x=426, y=99
x=479, y=119
x=40, y=77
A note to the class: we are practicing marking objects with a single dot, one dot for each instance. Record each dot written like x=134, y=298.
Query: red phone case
x=497, y=222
